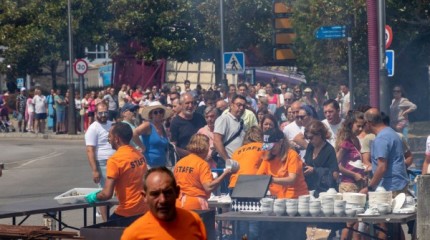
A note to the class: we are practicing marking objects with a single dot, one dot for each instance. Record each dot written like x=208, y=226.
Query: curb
x=42, y=136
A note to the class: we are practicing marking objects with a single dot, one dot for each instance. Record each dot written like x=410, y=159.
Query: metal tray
x=75, y=195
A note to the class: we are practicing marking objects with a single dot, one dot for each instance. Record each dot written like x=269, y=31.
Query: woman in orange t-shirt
x=249, y=156
x=284, y=165
x=194, y=176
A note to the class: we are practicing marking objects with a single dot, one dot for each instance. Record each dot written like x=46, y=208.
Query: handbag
x=172, y=155
x=220, y=162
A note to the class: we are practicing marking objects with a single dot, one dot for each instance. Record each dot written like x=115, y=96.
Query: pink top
x=351, y=154
x=273, y=100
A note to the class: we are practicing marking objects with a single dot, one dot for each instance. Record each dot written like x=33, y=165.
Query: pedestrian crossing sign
x=234, y=62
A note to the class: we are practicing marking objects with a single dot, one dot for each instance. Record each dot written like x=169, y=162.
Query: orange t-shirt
x=186, y=225
x=279, y=169
x=190, y=174
x=249, y=157
x=127, y=167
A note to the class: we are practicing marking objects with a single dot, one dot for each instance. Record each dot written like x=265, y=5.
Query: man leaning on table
x=124, y=174
x=164, y=220
x=388, y=165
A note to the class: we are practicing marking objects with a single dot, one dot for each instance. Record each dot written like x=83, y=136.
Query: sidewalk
x=47, y=135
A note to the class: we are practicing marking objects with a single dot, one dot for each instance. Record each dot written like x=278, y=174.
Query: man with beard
x=164, y=220
x=125, y=171
x=230, y=128
x=185, y=124
x=98, y=147
x=128, y=114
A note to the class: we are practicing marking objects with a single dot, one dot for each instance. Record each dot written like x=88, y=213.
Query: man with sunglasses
x=99, y=149
x=294, y=132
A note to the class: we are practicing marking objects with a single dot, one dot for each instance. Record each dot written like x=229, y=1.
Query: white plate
x=404, y=211
x=367, y=215
x=356, y=165
x=250, y=212
x=398, y=201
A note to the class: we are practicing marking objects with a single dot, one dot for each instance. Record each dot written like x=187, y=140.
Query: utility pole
x=384, y=88
x=71, y=126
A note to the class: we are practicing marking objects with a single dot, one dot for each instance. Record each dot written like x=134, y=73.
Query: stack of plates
x=376, y=198
x=354, y=200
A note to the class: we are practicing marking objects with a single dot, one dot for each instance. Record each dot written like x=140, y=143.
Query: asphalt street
x=38, y=169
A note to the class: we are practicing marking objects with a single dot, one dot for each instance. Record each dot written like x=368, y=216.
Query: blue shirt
x=388, y=145
x=155, y=148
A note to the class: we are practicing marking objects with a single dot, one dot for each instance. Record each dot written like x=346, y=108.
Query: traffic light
x=284, y=36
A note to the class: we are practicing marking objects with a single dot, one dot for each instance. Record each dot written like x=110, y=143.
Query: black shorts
x=90, y=114
x=40, y=116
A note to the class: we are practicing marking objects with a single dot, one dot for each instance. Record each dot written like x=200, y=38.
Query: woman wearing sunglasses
x=321, y=170
x=151, y=134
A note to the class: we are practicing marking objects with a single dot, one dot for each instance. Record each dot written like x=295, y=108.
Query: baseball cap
x=22, y=89
x=307, y=90
x=270, y=137
x=129, y=106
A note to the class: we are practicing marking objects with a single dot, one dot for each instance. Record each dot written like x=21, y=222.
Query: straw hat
x=261, y=93
x=155, y=105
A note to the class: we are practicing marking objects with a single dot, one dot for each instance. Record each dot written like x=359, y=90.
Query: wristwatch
x=370, y=188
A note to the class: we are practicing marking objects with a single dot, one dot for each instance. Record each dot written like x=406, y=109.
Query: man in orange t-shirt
x=164, y=220
x=194, y=175
x=249, y=156
x=284, y=165
x=125, y=171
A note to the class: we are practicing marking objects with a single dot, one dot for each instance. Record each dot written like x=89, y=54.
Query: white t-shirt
x=39, y=103
x=97, y=135
x=428, y=146
x=333, y=130
x=291, y=131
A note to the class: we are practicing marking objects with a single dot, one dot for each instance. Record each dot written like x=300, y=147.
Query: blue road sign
x=20, y=82
x=389, y=61
x=330, y=32
x=234, y=62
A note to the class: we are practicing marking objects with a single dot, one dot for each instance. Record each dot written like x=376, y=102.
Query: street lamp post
x=71, y=111
x=221, y=16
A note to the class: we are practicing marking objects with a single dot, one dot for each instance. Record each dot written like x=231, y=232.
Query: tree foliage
x=35, y=32
x=326, y=61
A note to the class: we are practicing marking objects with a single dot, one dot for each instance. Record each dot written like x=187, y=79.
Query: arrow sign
x=330, y=32
x=389, y=60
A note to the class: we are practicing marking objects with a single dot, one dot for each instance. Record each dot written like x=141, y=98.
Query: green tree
x=154, y=29
x=326, y=61
x=35, y=33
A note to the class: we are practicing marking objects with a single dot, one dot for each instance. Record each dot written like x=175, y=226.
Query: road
x=39, y=168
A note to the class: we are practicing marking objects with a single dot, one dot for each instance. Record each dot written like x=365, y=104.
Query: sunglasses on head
x=159, y=111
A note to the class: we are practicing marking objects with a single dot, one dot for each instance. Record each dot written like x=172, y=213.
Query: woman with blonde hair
x=194, y=176
x=249, y=156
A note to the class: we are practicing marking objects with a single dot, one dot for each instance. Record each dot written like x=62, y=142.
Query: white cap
x=23, y=89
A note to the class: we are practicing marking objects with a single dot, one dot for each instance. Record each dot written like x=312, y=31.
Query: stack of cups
x=279, y=206
x=303, y=206
x=315, y=208
x=292, y=207
x=339, y=207
x=327, y=205
x=266, y=205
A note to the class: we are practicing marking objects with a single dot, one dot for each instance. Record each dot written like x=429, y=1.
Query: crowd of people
x=304, y=141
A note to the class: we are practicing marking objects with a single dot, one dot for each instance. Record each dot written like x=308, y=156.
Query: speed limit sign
x=80, y=66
